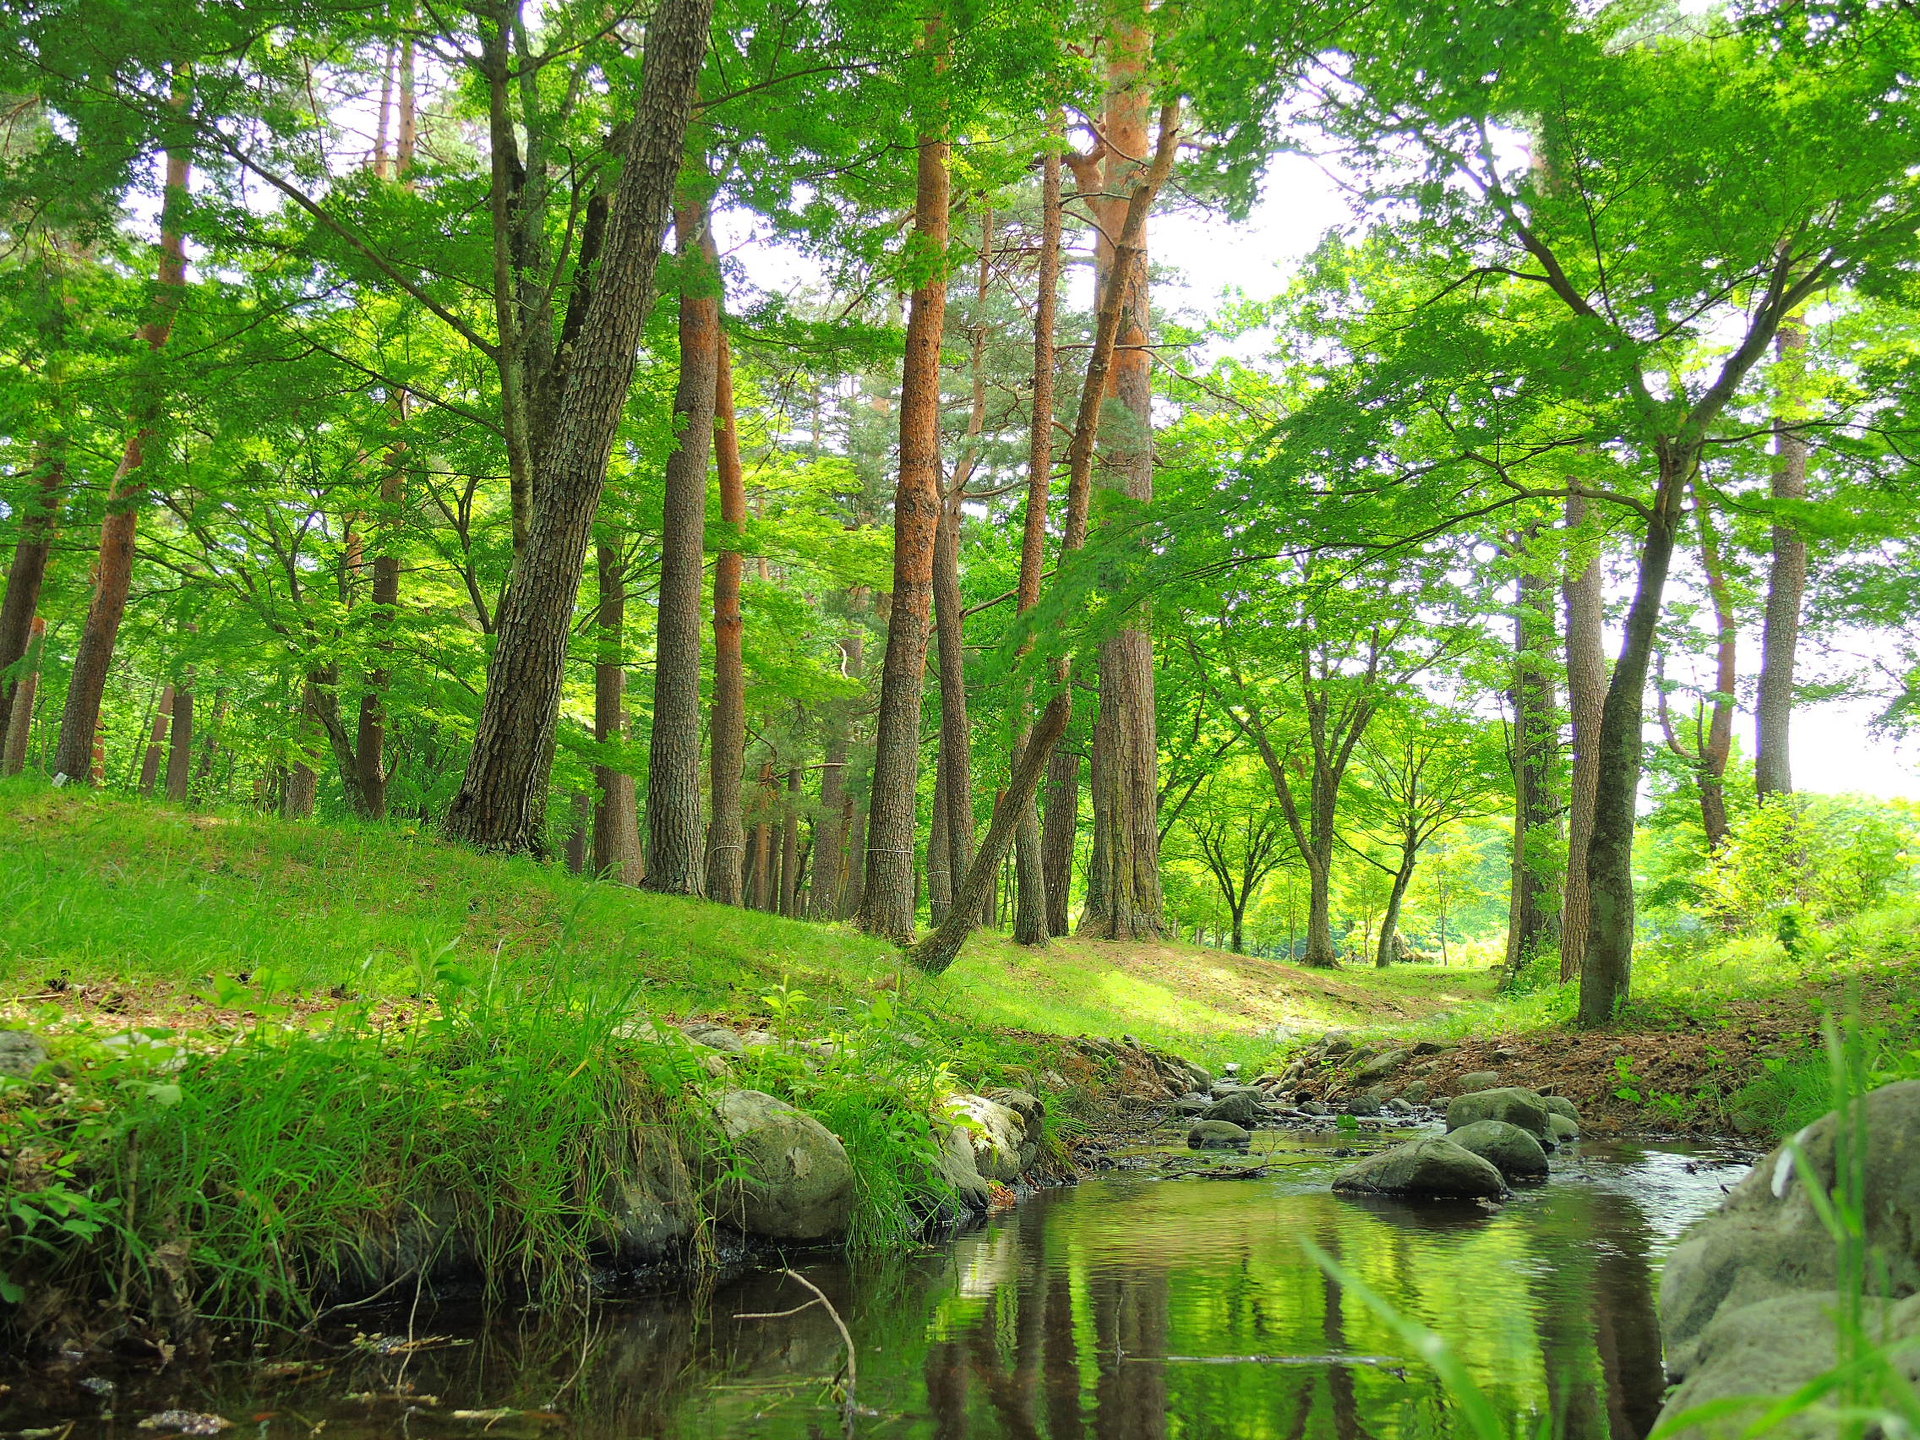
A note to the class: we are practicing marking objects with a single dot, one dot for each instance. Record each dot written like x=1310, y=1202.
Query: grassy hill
x=144, y=906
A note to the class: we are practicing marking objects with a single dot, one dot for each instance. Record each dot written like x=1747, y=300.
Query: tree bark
x=1607, y=973
x=1786, y=585
x=887, y=904
x=26, y=575
x=790, y=845
x=1717, y=746
x=763, y=843
x=113, y=569
x=953, y=806
x=502, y=800
x=830, y=845
x=180, y=743
x=1534, y=911
x=370, y=740
x=675, y=859
x=13, y=754
x=1390, y=922
x=1060, y=836
x=1124, y=898
x=727, y=762
x=1584, y=600
x=157, y=742
x=615, y=819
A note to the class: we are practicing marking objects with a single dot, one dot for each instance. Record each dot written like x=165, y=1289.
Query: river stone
x=1217, y=1135
x=1511, y=1104
x=1315, y=1107
x=1430, y=1047
x=1191, y=1103
x=714, y=1037
x=1766, y=1239
x=1365, y=1103
x=1560, y=1105
x=1032, y=1111
x=1398, y=1106
x=1514, y=1152
x=1241, y=1108
x=1479, y=1080
x=649, y=1203
x=958, y=1167
x=996, y=1132
x=21, y=1053
x=1771, y=1348
x=1561, y=1130
x=1416, y=1092
x=1432, y=1169
x=798, y=1183
x=1337, y=1042
x=1381, y=1066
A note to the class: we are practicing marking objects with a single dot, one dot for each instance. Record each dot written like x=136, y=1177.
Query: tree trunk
x=1534, y=909
x=1124, y=900
x=157, y=742
x=578, y=849
x=1062, y=832
x=790, y=845
x=675, y=862
x=113, y=569
x=1606, y=976
x=856, y=856
x=939, y=846
x=727, y=762
x=1390, y=922
x=370, y=741
x=39, y=520
x=615, y=818
x=1786, y=585
x=180, y=743
x=830, y=844
x=502, y=800
x=1718, y=744
x=1586, y=693
x=1321, y=952
x=13, y=754
x=953, y=807
x=763, y=843
x=887, y=904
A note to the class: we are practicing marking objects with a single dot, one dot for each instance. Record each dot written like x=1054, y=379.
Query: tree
x=1241, y=840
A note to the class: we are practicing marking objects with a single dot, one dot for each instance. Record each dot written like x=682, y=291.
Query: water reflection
x=1127, y=1309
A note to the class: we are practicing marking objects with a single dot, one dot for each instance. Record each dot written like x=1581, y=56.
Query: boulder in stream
x=1561, y=1130
x=798, y=1183
x=1510, y=1103
x=1429, y=1169
x=1479, y=1080
x=1240, y=1108
x=1217, y=1135
x=997, y=1133
x=1561, y=1106
x=1514, y=1152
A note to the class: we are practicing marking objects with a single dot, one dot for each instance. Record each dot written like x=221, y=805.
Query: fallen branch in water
x=847, y=1405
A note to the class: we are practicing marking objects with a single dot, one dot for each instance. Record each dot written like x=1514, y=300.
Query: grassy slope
x=112, y=893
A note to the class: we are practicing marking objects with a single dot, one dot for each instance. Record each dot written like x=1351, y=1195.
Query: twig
x=847, y=1406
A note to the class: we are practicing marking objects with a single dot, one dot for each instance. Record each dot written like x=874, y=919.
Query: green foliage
x=1812, y=859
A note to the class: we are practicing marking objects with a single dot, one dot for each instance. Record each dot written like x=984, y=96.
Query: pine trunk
x=503, y=797
x=1786, y=588
x=13, y=754
x=180, y=744
x=727, y=756
x=26, y=575
x=370, y=741
x=157, y=742
x=1060, y=835
x=953, y=807
x=790, y=846
x=113, y=568
x=887, y=904
x=615, y=822
x=675, y=844
x=1584, y=600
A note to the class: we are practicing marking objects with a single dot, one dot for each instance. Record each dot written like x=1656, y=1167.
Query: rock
x=1398, y=1106
x=21, y=1053
x=1766, y=1239
x=1242, y=1108
x=714, y=1037
x=1430, y=1047
x=649, y=1204
x=1423, y=1169
x=959, y=1168
x=996, y=1133
x=1382, y=1066
x=1315, y=1107
x=1416, y=1092
x=1217, y=1135
x=1479, y=1080
x=1560, y=1105
x=1200, y=1077
x=798, y=1183
x=1191, y=1104
x=1514, y=1152
x=1231, y=1071
x=1365, y=1103
x=1771, y=1348
x=1561, y=1130
x=1032, y=1111
x=1511, y=1104
x=1337, y=1042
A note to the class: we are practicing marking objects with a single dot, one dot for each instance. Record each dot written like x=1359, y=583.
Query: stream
x=1129, y=1307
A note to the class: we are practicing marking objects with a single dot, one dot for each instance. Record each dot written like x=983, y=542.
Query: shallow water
x=1126, y=1308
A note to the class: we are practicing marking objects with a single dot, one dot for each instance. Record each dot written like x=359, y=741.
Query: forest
x=687, y=686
